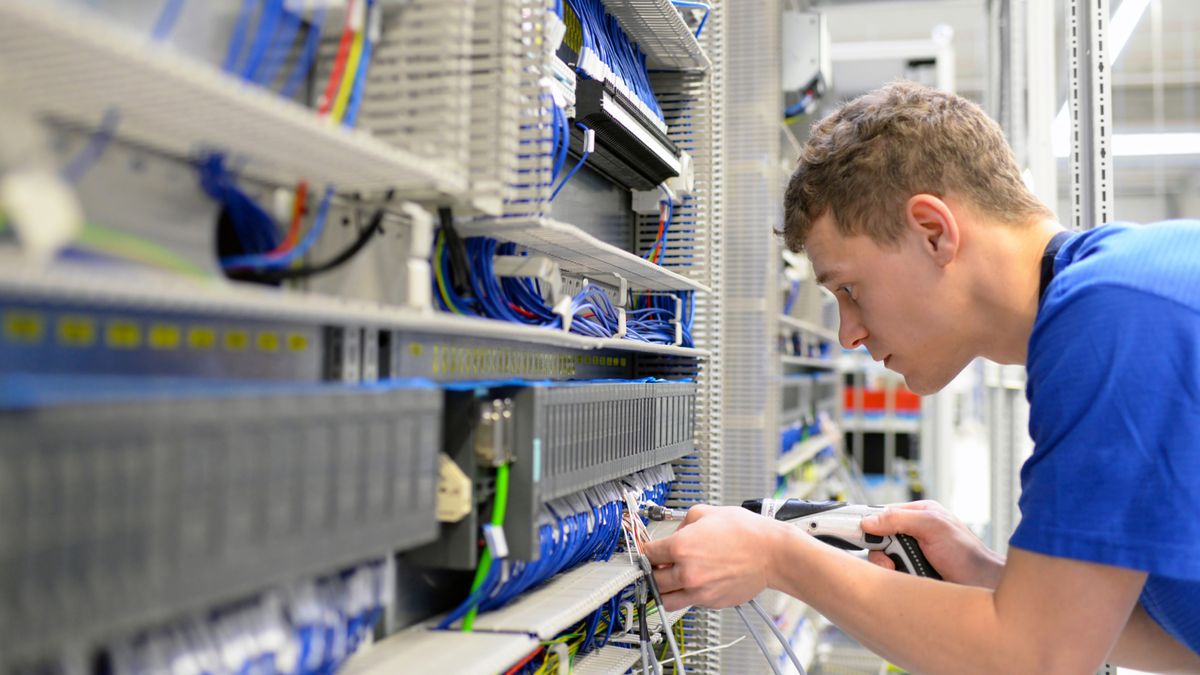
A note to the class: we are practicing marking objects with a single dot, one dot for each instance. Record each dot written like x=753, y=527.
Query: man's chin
x=923, y=386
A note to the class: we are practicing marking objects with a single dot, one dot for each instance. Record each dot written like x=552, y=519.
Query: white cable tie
x=563, y=653
x=375, y=23
x=497, y=543
x=358, y=19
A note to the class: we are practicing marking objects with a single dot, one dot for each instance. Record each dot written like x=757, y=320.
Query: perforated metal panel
x=750, y=310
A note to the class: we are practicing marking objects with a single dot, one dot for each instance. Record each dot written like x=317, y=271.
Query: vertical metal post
x=1090, y=114
x=1041, y=99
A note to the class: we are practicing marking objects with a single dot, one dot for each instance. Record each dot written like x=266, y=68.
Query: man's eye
x=847, y=289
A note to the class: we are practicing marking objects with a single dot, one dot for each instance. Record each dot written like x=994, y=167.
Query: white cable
x=762, y=646
x=705, y=650
x=787, y=646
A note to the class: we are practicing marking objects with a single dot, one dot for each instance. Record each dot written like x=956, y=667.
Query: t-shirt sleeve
x=1114, y=388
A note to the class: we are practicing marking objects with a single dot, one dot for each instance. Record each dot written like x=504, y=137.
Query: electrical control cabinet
x=346, y=321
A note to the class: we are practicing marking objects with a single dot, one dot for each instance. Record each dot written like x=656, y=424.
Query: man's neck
x=1007, y=288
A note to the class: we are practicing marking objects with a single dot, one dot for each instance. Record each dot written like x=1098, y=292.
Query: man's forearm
x=919, y=624
x=925, y=625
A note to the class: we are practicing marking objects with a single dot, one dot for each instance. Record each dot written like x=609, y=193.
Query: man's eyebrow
x=824, y=277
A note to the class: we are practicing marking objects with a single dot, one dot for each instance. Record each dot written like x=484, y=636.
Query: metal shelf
x=787, y=323
x=810, y=362
x=151, y=291
x=441, y=652
x=806, y=450
x=71, y=64
x=662, y=34
x=578, y=252
x=806, y=490
x=898, y=425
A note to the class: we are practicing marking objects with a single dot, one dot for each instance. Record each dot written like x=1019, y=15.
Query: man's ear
x=935, y=225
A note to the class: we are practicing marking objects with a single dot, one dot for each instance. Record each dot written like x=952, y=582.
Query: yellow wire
x=348, y=77
x=437, y=273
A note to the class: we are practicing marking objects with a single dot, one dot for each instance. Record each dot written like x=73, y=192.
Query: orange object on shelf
x=875, y=400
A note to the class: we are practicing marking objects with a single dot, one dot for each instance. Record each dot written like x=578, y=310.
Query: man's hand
x=953, y=550
x=719, y=557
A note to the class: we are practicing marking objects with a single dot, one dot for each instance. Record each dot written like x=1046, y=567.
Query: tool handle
x=911, y=559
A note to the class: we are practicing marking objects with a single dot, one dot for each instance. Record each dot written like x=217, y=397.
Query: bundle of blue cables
x=602, y=35
x=518, y=299
x=565, y=540
x=273, y=40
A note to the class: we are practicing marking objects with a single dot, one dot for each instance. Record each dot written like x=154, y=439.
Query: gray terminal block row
x=570, y=437
x=116, y=515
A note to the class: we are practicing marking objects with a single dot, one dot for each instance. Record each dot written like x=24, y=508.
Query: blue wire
x=301, y=248
x=360, y=78
x=99, y=141
x=167, y=17
x=281, y=46
x=575, y=169
x=304, y=62
x=240, y=27
x=695, y=5
x=262, y=38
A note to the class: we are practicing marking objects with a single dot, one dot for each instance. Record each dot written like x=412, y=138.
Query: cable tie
x=497, y=543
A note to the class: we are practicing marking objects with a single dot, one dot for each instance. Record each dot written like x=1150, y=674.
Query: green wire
x=120, y=245
x=499, y=506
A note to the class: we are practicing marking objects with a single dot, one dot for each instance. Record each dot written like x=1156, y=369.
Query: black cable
x=460, y=274
x=375, y=226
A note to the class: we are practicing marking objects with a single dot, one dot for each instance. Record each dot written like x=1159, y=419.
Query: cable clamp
x=533, y=267
x=555, y=31
x=620, y=323
x=563, y=309
x=562, y=651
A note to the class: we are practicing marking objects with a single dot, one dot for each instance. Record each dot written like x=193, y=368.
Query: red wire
x=522, y=311
x=662, y=223
x=298, y=211
x=339, y=63
x=520, y=664
x=323, y=106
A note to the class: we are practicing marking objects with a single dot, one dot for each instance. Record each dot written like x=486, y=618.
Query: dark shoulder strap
x=1056, y=242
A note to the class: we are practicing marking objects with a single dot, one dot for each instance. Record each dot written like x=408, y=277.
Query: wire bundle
x=571, y=530
x=341, y=101
x=309, y=629
x=605, y=626
x=520, y=300
x=604, y=40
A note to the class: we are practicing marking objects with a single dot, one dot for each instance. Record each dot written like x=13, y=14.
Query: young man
x=912, y=211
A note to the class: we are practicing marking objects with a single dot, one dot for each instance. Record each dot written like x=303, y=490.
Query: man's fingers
x=880, y=558
x=693, y=514
x=915, y=522
x=668, y=579
x=678, y=600
x=923, y=505
x=658, y=551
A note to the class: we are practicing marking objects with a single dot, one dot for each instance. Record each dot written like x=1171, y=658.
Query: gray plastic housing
x=567, y=437
x=570, y=438
x=116, y=515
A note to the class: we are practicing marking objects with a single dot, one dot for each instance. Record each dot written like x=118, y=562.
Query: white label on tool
x=771, y=506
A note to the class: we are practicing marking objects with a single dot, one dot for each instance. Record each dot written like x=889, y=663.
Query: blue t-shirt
x=1114, y=393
